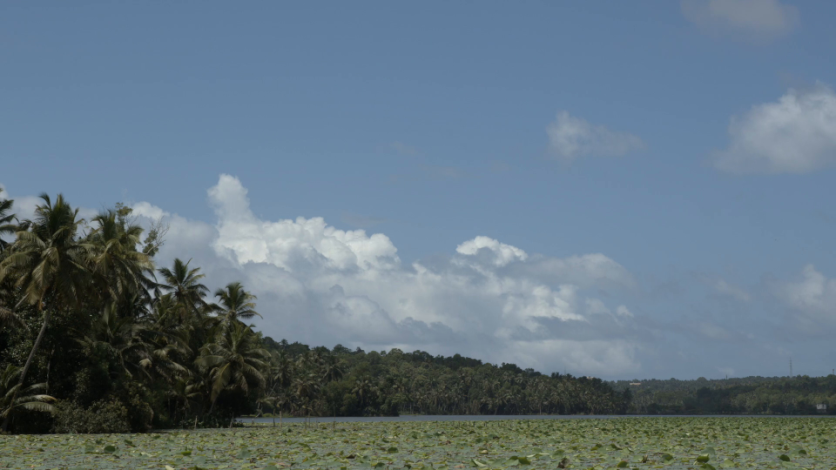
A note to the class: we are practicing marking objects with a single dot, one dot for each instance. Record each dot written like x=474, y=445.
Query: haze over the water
x=641, y=190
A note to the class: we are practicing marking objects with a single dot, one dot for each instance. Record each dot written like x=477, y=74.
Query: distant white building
x=635, y=384
x=821, y=408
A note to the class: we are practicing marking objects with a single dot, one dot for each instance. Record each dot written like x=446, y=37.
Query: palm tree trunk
x=35, y=348
x=28, y=364
x=48, y=368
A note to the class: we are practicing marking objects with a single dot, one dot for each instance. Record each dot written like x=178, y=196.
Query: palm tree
x=235, y=303
x=306, y=387
x=184, y=284
x=13, y=397
x=48, y=264
x=118, y=338
x=363, y=388
x=234, y=361
x=281, y=370
x=114, y=256
x=182, y=391
x=332, y=368
x=276, y=401
x=8, y=318
x=7, y=228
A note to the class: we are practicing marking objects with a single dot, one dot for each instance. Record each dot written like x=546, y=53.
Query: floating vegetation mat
x=670, y=443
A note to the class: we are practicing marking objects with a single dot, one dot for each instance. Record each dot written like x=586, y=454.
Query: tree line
x=95, y=337
x=799, y=395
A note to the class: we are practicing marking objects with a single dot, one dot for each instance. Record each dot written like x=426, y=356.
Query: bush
x=102, y=417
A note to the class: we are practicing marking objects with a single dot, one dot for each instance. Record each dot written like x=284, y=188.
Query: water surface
x=406, y=418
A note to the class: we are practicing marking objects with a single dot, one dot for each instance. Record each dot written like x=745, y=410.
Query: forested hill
x=747, y=395
x=355, y=383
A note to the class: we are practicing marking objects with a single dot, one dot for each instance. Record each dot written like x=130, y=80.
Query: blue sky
x=690, y=144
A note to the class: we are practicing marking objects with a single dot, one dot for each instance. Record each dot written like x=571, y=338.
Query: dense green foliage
x=670, y=443
x=88, y=319
x=750, y=395
x=357, y=383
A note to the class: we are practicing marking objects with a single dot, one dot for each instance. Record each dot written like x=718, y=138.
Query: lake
x=411, y=418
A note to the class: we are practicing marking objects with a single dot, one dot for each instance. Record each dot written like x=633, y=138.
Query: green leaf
x=784, y=457
x=477, y=463
x=703, y=458
x=109, y=449
x=622, y=464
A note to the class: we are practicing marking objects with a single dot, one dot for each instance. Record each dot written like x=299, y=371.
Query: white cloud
x=753, y=20
x=578, y=357
x=597, y=307
x=322, y=285
x=812, y=299
x=243, y=238
x=796, y=134
x=572, y=137
x=623, y=311
x=724, y=288
x=587, y=271
x=500, y=253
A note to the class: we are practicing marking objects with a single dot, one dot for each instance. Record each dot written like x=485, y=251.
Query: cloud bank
x=486, y=299
x=796, y=134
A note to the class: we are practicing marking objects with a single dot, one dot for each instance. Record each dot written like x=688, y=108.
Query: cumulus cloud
x=752, y=20
x=812, y=299
x=793, y=135
x=499, y=253
x=486, y=299
x=571, y=138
